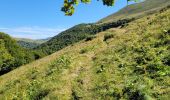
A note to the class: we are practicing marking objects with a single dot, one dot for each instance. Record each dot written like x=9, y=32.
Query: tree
x=69, y=5
x=5, y=58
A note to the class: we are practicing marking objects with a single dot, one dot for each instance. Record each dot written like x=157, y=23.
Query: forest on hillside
x=13, y=56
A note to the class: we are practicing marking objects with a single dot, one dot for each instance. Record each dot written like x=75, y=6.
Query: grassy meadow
x=128, y=63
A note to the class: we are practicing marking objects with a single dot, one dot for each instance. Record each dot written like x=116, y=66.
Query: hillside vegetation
x=76, y=34
x=12, y=55
x=119, y=19
x=137, y=10
x=129, y=63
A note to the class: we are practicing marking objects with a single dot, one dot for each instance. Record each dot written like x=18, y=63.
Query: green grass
x=84, y=31
x=134, y=64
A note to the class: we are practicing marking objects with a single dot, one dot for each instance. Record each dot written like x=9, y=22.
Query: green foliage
x=5, y=58
x=84, y=50
x=108, y=36
x=35, y=91
x=61, y=63
x=76, y=34
x=69, y=5
x=13, y=56
x=89, y=38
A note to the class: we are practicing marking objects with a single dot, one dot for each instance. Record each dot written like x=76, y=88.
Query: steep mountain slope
x=29, y=43
x=76, y=34
x=130, y=63
x=82, y=31
x=137, y=10
x=12, y=55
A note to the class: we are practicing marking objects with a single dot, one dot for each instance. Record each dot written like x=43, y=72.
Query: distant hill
x=30, y=43
x=137, y=10
x=12, y=55
x=127, y=63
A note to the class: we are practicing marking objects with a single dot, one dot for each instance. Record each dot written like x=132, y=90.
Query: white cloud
x=32, y=32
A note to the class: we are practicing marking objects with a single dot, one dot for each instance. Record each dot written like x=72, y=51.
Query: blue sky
x=38, y=19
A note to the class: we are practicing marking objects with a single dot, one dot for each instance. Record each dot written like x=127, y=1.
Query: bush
x=89, y=38
x=64, y=61
x=139, y=70
x=35, y=91
x=108, y=36
x=132, y=94
x=61, y=63
x=166, y=60
x=82, y=51
x=75, y=96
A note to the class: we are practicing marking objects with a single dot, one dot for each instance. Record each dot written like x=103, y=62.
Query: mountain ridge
x=136, y=10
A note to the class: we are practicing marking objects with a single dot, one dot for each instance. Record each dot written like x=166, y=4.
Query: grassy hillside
x=29, y=43
x=12, y=55
x=130, y=63
x=83, y=31
x=76, y=34
x=137, y=10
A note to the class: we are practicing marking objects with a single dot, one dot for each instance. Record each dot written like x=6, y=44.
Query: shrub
x=59, y=64
x=89, y=38
x=139, y=70
x=166, y=60
x=82, y=51
x=133, y=94
x=140, y=60
x=121, y=65
x=108, y=36
x=101, y=69
x=33, y=73
x=35, y=91
x=63, y=61
x=75, y=96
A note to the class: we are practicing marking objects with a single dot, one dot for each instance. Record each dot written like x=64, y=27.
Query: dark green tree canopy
x=69, y=5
